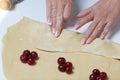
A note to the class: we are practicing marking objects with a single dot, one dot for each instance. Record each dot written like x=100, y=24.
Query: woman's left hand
x=103, y=15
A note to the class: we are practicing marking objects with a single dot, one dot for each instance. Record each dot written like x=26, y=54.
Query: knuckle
x=59, y=18
x=54, y=17
x=93, y=36
x=88, y=17
x=84, y=20
x=54, y=13
x=110, y=19
x=91, y=28
x=80, y=22
x=106, y=31
x=59, y=22
x=86, y=35
x=98, y=29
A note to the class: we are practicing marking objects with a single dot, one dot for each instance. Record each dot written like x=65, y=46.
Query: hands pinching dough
x=103, y=15
x=58, y=12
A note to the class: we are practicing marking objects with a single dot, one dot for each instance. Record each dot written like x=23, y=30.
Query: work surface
x=36, y=9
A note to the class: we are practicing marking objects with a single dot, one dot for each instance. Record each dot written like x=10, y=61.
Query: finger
x=87, y=11
x=59, y=26
x=53, y=24
x=84, y=13
x=96, y=32
x=60, y=10
x=106, y=30
x=54, y=14
x=89, y=32
x=83, y=21
x=48, y=11
x=67, y=10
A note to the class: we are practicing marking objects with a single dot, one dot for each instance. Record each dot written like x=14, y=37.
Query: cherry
x=31, y=61
x=92, y=77
x=103, y=75
x=26, y=53
x=24, y=58
x=29, y=57
x=99, y=78
x=62, y=67
x=61, y=60
x=96, y=72
x=34, y=55
x=68, y=70
x=68, y=64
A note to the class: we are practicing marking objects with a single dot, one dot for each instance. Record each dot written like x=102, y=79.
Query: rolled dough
x=33, y=35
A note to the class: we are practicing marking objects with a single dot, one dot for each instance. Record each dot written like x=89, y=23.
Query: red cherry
x=69, y=64
x=68, y=70
x=34, y=55
x=92, y=77
x=26, y=53
x=103, y=75
x=99, y=78
x=31, y=61
x=24, y=58
x=62, y=67
x=96, y=72
x=61, y=60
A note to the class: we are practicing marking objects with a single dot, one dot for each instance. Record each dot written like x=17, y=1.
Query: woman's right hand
x=58, y=11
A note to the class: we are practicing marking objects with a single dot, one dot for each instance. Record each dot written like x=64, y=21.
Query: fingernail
x=88, y=41
x=101, y=37
x=75, y=27
x=53, y=31
x=49, y=21
x=56, y=34
x=83, y=41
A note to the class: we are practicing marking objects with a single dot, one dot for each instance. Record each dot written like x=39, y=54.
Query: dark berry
x=68, y=64
x=31, y=61
x=24, y=58
x=61, y=60
x=62, y=67
x=96, y=72
x=68, y=70
x=92, y=77
x=26, y=53
x=103, y=75
x=34, y=55
x=99, y=78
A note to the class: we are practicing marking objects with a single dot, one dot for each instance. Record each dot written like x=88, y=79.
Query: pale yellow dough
x=33, y=35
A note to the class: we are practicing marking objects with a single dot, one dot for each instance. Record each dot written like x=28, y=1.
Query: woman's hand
x=58, y=11
x=103, y=15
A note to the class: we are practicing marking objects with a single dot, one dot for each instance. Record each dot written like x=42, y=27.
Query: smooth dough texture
x=33, y=35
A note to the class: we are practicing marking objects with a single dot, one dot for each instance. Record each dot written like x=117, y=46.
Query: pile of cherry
x=64, y=66
x=29, y=57
x=97, y=75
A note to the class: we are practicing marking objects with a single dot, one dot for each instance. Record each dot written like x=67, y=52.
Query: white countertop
x=36, y=9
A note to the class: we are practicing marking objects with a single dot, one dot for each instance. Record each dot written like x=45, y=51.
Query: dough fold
x=68, y=41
